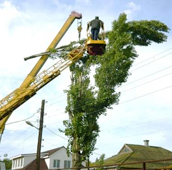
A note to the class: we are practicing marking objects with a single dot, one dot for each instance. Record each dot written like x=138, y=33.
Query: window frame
x=67, y=163
x=56, y=163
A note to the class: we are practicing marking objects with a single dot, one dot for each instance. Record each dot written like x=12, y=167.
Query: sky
x=144, y=110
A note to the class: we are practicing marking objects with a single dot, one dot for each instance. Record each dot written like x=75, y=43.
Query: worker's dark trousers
x=94, y=33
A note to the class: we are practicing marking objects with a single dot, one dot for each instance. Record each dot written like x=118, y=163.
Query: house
x=51, y=159
x=131, y=153
x=2, y=166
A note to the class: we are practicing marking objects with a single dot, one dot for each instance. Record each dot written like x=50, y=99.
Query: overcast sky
x=144, y=111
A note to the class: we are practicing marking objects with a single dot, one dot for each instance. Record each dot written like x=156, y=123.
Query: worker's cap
x=96, y=17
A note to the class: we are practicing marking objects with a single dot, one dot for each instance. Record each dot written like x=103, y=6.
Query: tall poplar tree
x=86, y=102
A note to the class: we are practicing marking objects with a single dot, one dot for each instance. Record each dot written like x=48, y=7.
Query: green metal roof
x=140, y=153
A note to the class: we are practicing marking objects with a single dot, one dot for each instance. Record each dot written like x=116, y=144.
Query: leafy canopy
x=86, y=102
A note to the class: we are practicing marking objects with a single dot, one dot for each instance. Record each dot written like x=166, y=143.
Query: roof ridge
x=144, y=145
x=52, y=149
x=50, y=152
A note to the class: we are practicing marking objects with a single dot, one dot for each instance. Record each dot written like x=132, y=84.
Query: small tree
x=8, y=163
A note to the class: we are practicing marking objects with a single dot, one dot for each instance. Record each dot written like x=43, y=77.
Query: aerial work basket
x=95, y=47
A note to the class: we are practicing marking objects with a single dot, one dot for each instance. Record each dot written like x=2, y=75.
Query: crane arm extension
x=21, y=95
x=53, y=44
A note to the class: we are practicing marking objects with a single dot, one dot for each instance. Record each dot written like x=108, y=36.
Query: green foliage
x=144, y=32
x=8, y=163
x=100, y=161
x=115, y=64
x=62, y=51
x=87, y=103
x=83, y=126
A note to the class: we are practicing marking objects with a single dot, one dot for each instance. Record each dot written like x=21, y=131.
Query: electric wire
x=150, y=132
x=146, y=83
x=21, y=142
x=152, y=57
x=56, y=133
x=137, y=97
x=8, y=135
x=147, y=76
x=145, y=94
x=12, y=141
x=150, y=62
x=139, y=67
x=54, y=123
x=20, y=120
x=56, y=102
x=119, y=103
x=55, y=97
x=137, y=124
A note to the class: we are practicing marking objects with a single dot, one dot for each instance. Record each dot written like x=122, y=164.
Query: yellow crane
x=34, y=81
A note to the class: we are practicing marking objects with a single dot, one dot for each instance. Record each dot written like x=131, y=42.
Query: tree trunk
x=76, y=157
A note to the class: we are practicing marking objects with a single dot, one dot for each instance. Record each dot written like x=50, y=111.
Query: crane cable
x=79, y=28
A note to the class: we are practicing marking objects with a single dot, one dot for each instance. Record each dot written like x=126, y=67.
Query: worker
x=95, y=25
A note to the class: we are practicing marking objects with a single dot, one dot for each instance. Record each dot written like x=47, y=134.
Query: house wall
x=21, y=162
x=59, y=155
x=29, y=159
x=47, y=161
x=2, y=166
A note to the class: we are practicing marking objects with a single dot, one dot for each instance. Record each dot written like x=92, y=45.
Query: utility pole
x=40, y=136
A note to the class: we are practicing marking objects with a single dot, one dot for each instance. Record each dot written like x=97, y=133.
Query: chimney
x=146, y=142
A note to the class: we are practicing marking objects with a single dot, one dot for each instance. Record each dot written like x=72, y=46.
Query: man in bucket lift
x=95, y=25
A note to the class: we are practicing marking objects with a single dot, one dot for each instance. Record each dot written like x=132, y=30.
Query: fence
x=163, y=164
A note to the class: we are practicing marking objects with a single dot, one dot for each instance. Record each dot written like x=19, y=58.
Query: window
x=18, y=165
x=56, y=163
x=125, y=149
x=13, y=163
x=21, y=162
x=66, y=164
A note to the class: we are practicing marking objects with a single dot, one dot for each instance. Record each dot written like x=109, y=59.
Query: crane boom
x=53, y=44
x=33, y=82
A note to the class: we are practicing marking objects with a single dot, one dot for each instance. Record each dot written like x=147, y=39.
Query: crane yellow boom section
x=53, y=44
x=34, y=82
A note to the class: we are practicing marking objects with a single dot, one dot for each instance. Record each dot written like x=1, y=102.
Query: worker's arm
x=88, y=26
x=102, y=25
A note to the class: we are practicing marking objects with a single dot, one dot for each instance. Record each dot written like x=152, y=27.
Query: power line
x=56, y=97
x=151, y=62
x=12, y=141
x=146, y=133
x=146, y=83
x=56, y=133
x=21, y=143
x=20, y=120
x=152, y=57
x=145, y=94
x=120, y=103
x=56, y=102
x=142, y=123
x=54, y=123
x=134, y=65
x=136, y=97
x=146, y=76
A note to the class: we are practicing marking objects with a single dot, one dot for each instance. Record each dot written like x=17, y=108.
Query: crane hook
x=79, y=28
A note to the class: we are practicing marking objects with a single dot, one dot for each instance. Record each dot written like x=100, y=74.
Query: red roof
x=50, y=152
x=32, y=165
